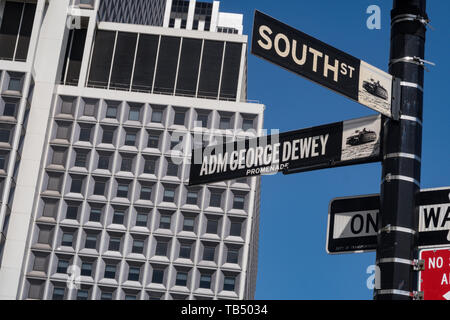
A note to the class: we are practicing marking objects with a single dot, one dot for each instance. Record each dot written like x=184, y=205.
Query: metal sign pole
x=397, y=237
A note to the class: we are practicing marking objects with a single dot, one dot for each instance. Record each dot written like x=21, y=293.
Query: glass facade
x=15, y=30
x=166, y=65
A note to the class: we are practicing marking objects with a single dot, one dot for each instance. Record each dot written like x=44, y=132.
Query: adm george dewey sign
x=337, y=144
x=325, y=65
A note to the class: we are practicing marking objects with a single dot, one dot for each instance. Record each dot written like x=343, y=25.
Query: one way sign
x=353, y=222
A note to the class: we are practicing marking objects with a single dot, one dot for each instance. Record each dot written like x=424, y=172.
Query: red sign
x=434, y=281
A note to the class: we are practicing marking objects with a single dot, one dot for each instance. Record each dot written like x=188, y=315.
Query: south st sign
x=333, y=145
x=319, y=62
x=353, y=222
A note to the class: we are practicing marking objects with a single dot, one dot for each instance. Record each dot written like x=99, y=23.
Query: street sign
x=338, y=144
x=434, y=281
x=321, y=63
x=353, y=222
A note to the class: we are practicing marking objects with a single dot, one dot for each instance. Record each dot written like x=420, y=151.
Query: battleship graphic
x=362, y=137
x=375, y=88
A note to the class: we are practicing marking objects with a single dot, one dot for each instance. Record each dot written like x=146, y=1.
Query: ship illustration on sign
x=362, y=137
x=375, y=88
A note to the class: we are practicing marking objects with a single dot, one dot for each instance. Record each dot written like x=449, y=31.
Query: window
x=192, y=198
x=122, y=191
x=127, y=164
x=62, y=266
x=179, y=118
x=91, y=241
x=225, y=123
x=2, y=162
x=235, y=229
x=66, y=107
x=146, y=193
x=157, y=115
x=50, y=208
x=215, y=200
x=229, y=283
x=44, y=235
x=67, y=239
x=158, y=276
x=130, y=297
x=4, y=135
x=205, y=281
x=111, y=112
x=141, y=219
x=145, y=62
x=85, y=134
x=99, y=188
x=118, y=217
x=63, y=131
x=40, y=262
x=164, y=222
x=100, y=71
x=169, y=195
x=15, y=31
x=247, y=124
x=203, y=119
x=123, y=60
x=9, y=109
x=58, y=293
x=185, y=251
x=110, y=271
x=54, y=183
x=130, y=139
x=138, y=247
x=86, y=269
x=233, y=256
x=188, y=224
x=134, y=114
x=208, y=253
x=150, y=166
x=134, y=274
x=103, y=162
x=89, y=109
x=82, y=295
x=106, y=295
x=161, y=248
x=95, y=215
x=172, y=169
x=81, y=159
x=77, y=184
x=72, y=212
x=108, y=136
x=35, y=290
x=212, y=226
x=181, y=279
x=239, y=202
x=114, y=244
x=153, y=141
x=15, y=84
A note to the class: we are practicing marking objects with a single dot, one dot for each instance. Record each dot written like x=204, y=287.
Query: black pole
x=397, y=238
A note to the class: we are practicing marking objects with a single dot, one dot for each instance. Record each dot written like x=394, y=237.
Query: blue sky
x=293, y=263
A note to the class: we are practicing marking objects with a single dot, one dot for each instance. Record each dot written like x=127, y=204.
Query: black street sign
x=317, y=61
x=338, y=144
x=353, y=222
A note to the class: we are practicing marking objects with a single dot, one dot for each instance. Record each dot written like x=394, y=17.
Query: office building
x=101, y=103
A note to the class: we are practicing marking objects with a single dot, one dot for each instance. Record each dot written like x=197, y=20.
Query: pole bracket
x=418, y=295
x=412, y=17
x=389, y=228
x=415, y=60
x=419, y=265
